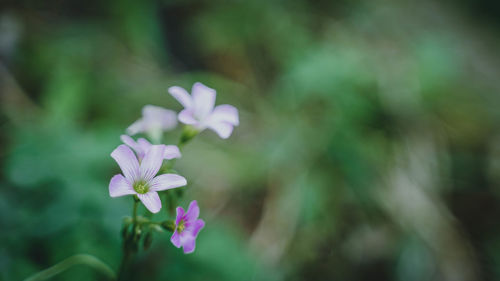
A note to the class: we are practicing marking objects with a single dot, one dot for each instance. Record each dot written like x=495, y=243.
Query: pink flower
x=187, y=227
x=142, y=146
x=140, y=179
x=155, y=120
x=199, y=110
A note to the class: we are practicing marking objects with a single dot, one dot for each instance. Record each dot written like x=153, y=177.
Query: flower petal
x=127, y=161
x=203, y=100
x=166, y=181
x=176, y=239
x=136, y=127
x=189, y=245
x=171, y=152
x=186, y=116
x=180, y=213
x=198, y=225
x=152, y=161
x=130, y=142
x=156, y=116
x=223, y=129
x=181, y=96
x=225, y=113
x=151, y=200
x=193, y=211
x=119, y=186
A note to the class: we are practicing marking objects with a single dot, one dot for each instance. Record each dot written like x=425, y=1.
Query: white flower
x=200, y=113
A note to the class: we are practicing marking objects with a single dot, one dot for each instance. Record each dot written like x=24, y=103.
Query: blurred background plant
x=369, y=145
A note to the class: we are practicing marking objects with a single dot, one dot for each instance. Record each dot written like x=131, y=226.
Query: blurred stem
x=85, y=259
x=130, y=243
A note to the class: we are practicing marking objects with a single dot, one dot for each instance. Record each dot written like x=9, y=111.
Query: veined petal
x=151, y=200
x=171, y=152
x=136, y=127
x=186, y=116
x=189, y=245
x=127, y=161
x=193, y=211
x=225, y=113
x=203, y=100
x=176, y=239
x=166, y=181
x=152, y=161
x=223, y=129
x=181, y=96
x=119, y=186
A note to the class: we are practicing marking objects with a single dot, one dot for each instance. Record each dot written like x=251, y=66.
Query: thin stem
x=89, y=260
x=129, y=243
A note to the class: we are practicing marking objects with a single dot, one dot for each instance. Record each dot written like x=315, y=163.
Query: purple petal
x=181, y=96
x=158, y=116
x=189, y=245
x=143, y=145
x=223, y=129
x=127, y=161
x=225, y=113
x=166, y=181
x=198, y=225
x=152, y=161
x=136, y=127
x=193, y=211
x=151, y=200
x=176, y=239
x=180, y=214
x=186, y=116
x=119, y=186
x=171, y=152
x=203, y=99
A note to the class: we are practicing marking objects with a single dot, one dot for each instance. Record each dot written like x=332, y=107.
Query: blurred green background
x=368, y=149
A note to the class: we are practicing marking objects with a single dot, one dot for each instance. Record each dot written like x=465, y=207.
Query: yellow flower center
x=141, y=187
x=181, y=226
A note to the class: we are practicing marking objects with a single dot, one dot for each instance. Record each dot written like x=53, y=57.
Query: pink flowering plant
x=147, y=175
x=147, y=169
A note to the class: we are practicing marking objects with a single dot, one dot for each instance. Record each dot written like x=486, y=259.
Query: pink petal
x=198, y=225
x=171, y=152
x=152, y=161
x=127, y=161
x=203, y=99
x=189, y=245
x=193, y=211
x=223, y=129
x=166, y=181
x=186, y=116
x=151, y=200
x=180, y=214
x=136, y=127
x=181, y=96
x=225, y=113
x=176, y=239
x=119, y=186
x=158, y=116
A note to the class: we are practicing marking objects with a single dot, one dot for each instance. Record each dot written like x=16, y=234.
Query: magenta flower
x=187, y=226
x=142, y=146
x=199, y=110
x=155, y=120
x=140, y=179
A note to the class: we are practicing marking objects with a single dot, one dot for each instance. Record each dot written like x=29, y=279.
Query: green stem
x=85, y=259
x=129, y=243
